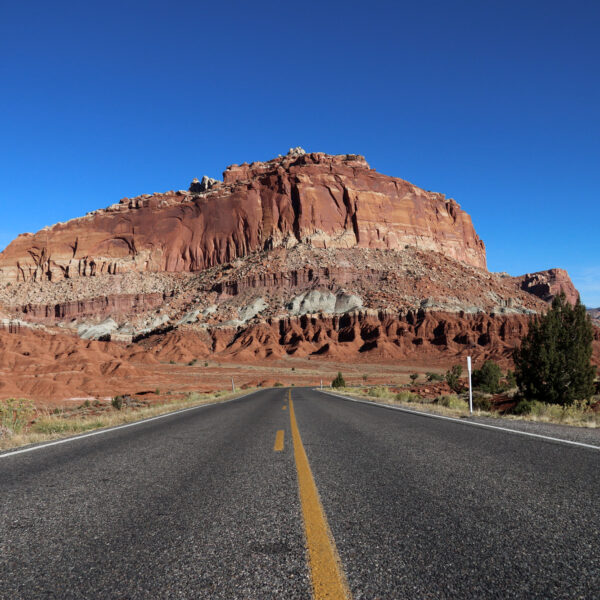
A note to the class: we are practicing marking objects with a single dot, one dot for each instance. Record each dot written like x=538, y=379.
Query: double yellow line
x=327, y=576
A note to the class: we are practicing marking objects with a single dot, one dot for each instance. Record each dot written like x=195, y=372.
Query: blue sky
x=495, y=104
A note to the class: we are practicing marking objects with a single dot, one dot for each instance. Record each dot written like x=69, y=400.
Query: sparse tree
x=553, y=363
x=453, y=378
x=487, y=379
x=414, y=377
x=338, y=382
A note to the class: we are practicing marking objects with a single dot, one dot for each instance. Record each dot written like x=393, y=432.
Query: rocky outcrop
x=198, y=187
x=316, y=199
x=372, y=335
x=324, y=301
x=103, y=306
x=547, y=284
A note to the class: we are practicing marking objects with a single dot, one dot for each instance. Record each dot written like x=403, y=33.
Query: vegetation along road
x=293, y=494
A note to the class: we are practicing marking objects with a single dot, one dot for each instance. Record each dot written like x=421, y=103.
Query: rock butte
x=316, y=199
x=304, y=256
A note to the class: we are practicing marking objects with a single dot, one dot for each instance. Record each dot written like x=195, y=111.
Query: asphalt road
x=200, y=505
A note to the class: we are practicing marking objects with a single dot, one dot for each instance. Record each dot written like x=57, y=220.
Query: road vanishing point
x=300, y=494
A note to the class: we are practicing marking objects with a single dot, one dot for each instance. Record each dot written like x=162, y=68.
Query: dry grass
x=578, y=415
x=450, y=406
x=47, y=427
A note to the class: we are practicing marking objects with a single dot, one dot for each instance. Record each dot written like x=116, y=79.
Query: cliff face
x=320, y=200
x=547, y=284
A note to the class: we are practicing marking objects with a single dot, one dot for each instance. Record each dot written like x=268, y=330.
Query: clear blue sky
x=494, y=103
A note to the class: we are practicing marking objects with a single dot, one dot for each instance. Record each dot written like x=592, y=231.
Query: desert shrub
x=434, y=377
x=511, y=380
x=15, y=414
x=117, y=402
x=52, y=425
x=414, y=377
x=487, y=379
x=481, y=402
x=338, y=382
x=523, y=407
x=407, y=397
x=192, y=362
x=278, y=384
x=378, y=391
x=451, y=401
x=365, y=377
x=553, y=364
x=453, y=378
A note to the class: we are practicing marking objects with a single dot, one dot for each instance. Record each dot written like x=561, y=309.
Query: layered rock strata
x=320, y=200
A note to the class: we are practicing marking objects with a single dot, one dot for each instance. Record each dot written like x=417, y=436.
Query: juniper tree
x=553, y=363
x=487, y=378
x=338, y=381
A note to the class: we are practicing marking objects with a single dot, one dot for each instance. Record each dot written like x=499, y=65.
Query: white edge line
x=462, y=421
x=124, y=426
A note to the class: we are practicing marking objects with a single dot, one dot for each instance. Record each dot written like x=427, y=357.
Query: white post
x=232, y=385
x=470, y=387
x=321, y=384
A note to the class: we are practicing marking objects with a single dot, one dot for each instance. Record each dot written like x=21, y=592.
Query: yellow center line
x=326, y=573
x=278, y=446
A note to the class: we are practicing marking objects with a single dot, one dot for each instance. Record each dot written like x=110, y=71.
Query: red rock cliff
x=547, y=284
x=316, y=199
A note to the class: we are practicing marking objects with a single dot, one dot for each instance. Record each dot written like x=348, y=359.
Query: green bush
x=278, y=384
x=511, y=380
x=434, y=377
x=487, y=379
x=523, y=407
x=117, y=402
x=453, y=378
x=482, y=403
x=414, y=377
x=338, y=382
x=553, y=364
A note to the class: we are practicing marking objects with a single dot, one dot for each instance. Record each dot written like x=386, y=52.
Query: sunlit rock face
x=315, y=199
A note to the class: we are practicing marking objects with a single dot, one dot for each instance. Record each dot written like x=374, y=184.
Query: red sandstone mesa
x=320, y=200
x=173, y=271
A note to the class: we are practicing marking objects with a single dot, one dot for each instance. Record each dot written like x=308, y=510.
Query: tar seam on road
x=463, y=422
x=278, y=446
x=327, y=577
x=109, y=429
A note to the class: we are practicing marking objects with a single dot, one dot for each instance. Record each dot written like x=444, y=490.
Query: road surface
x=218, y=503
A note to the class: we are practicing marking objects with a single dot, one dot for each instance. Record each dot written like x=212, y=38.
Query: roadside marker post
x=470, y=386
x=232, y=385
